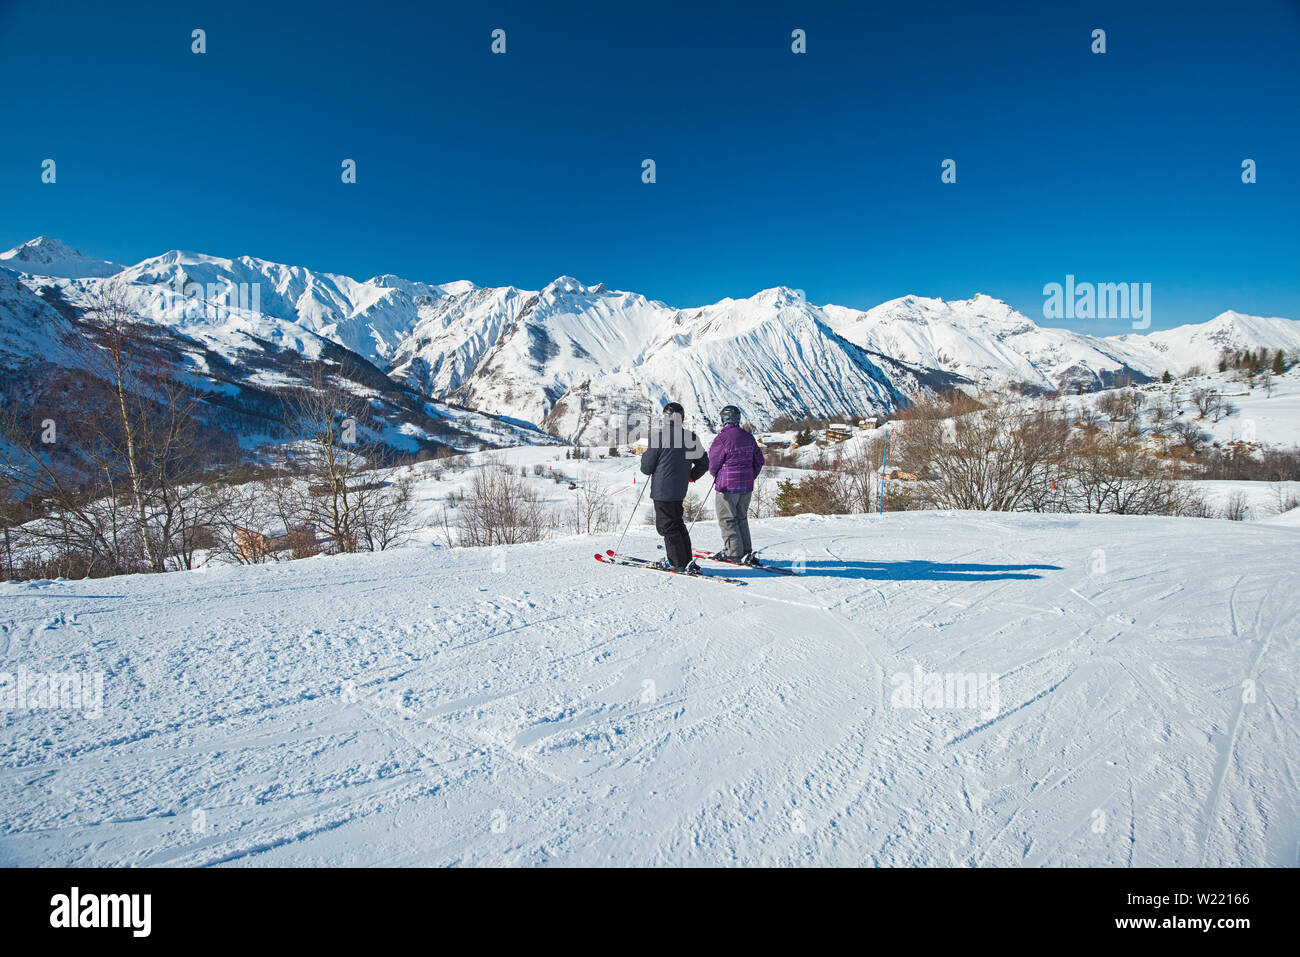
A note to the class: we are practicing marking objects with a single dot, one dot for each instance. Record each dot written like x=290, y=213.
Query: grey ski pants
x=733, y=522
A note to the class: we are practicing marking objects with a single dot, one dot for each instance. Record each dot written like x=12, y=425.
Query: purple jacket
x=735, y=460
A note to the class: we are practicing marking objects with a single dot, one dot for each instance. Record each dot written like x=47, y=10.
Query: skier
x=673, y=459
x=735, y=461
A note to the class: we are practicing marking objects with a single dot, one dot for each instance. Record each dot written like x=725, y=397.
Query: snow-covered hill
x=1135, y=704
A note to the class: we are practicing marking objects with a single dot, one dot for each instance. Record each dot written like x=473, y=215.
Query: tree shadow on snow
x=919, y=571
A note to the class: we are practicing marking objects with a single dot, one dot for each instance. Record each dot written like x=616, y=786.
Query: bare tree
x=859, y=472
x=998, y=458
x=592, y=510
x=385, y=512
x=1106, y=472
x=1206, y=402
x=117, y=363
x=760, y=499
x=9, y=504
x=345, y=494
x=1285, y=498
x=1121, y=405
x=1191, y=435
x=500, y=509
x=110, y=464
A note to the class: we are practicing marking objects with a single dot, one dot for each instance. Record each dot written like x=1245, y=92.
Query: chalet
x=255, y=547
x=252, y=546
x=838, y=433
x=769, y=441
x=868, y=423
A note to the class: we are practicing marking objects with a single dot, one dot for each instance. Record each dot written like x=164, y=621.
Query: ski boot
x=690, y=568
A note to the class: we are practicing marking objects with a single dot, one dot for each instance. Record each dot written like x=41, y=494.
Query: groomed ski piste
x=1135, y=703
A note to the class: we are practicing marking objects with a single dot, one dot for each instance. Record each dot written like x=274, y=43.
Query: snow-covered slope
x=31, y=331
x=44, y=256
x=529, y=706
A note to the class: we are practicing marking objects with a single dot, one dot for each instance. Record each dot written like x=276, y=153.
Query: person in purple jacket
x=735, y=461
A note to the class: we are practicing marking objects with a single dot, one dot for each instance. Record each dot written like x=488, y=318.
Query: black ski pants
x=670, y=522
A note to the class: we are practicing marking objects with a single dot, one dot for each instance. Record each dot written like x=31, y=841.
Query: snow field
x=527, y=705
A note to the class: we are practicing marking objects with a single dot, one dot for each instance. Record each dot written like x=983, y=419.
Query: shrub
x=1237, y=507
x=820, y=493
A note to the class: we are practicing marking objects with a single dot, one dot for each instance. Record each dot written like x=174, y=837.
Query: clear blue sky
x=818, y=171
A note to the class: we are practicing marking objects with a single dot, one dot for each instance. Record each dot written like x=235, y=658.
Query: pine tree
x=1279, y=363
x=1166, y=377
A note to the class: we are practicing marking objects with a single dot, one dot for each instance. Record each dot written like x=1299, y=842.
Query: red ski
x=609, y=558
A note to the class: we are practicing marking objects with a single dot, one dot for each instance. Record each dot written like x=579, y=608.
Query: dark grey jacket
x=674, y=459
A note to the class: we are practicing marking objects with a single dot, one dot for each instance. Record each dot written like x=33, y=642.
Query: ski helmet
x=730, y=415
x=674, y=408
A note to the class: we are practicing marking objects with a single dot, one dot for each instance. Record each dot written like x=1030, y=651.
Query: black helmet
x=730, y=415
x=674, y=408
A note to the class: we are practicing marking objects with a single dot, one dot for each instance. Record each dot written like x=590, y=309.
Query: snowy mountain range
x=569, y=357
x=241, y=361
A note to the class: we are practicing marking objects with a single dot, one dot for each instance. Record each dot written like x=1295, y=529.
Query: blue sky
x=818, y=171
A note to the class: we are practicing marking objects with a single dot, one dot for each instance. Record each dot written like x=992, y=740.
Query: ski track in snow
x=417, y=707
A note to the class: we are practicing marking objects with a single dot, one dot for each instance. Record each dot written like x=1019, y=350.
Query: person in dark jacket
x=735, y=461
x=674, y=458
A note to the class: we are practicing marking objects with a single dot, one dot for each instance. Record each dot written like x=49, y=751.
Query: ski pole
x=702, y=504
x=632, y=516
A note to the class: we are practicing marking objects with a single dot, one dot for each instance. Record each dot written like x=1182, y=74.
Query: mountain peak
x=779, y=296
x=47, y=256
x=41, y=245
x=565, y=285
